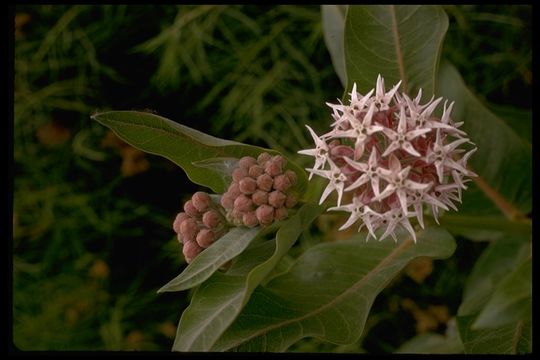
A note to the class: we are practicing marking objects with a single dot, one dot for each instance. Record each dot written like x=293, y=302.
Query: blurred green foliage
x=92, y=240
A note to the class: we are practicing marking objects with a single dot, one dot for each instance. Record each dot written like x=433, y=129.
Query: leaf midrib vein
x=338, y=298
x=399, y=54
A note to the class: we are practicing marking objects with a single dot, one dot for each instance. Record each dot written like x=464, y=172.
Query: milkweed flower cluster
x=260, y=193
x=391, y=156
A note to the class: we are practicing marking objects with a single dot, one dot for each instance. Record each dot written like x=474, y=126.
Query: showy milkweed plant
x=388, y=163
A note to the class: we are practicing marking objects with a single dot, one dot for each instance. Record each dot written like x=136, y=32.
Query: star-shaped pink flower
x=401, y=139
x=336, y=183
x=398, y=182
x=359, y=130
x=394, y=217
x=320, y=152
x=382, y=98
x=441, y=155
x=358, y=210
x=369, y=172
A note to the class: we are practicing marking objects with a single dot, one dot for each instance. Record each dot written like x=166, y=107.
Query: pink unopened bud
x=211, y=219
x=265, y=182
x=250, y=219
x=342, y=150
x=190, y=250
x=290, y=202
x=246, y=162
x=263, y=158
x=260, y=197
x=280, y=160
x=280, y=213
x=265, y=214
x=292, y=176
x=350, y=171
x=201, y=201
x=243, y=203
x=234, y=189
x=333, y=144
x=189, y=229
x=239, y=173
x=282, y=183
x=248, y=185
x=227, y=201
x=205, y=238
x=255, y=171
x=276, y=198
x=178, y=220
x=272, y=168
x=190, y=209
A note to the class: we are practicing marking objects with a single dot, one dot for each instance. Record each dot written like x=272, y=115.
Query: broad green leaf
x=223, y=166
x=327, y=293
x=212, y=258
x=400, y=42
x=503, y=159
x=497, y=260
x=218, y=301
x=520, y=120
x=333, y=20
x=486, y=227
x=511, y=300
x=509, y=339
x=431, y=343
x=183, y=145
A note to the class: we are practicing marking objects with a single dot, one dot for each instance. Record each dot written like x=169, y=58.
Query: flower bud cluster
x=260, y=191
x=200, y=224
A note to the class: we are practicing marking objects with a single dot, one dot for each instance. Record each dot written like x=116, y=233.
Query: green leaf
x=509, y=339
x=333, y=20
x=520, y=120
x=431, y=343
x=497, y=260
x=218, y=301
x=223, y=166
x=503, y=159
x=511, y=301
x=399, y=42
x=207, y=262
x=486, y=227
x=327, y=293
x=183, y=145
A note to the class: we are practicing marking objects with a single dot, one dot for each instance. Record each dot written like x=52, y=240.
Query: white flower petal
x=402, y=196
x=392, y=147
x=407, y=225
x=407, y=146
